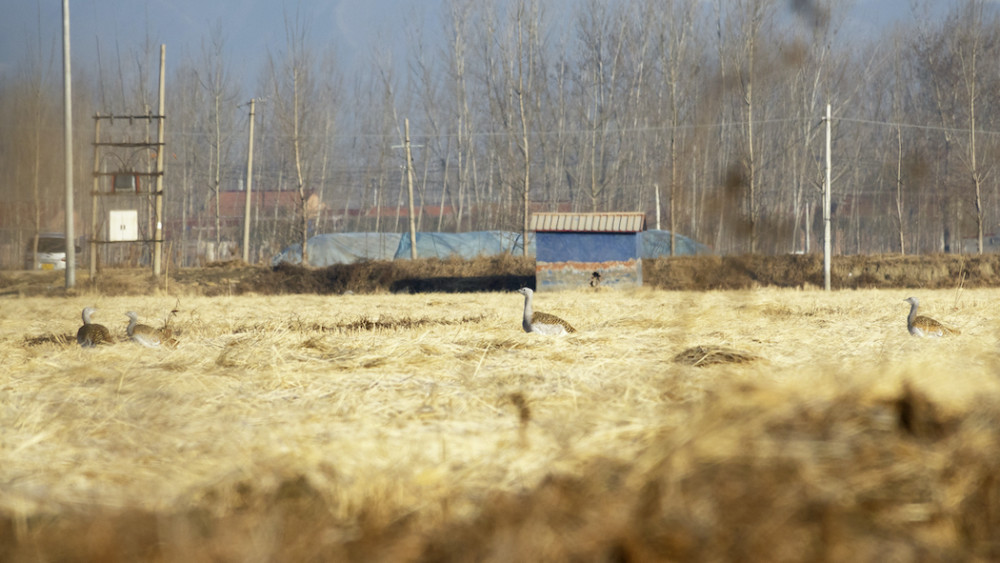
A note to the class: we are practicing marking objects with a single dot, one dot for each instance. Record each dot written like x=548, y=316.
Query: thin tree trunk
x=899, y=188
x=297, y=148
x=525, y=148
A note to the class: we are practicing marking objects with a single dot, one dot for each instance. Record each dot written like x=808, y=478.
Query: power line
x=385, y=137
x=916, y=126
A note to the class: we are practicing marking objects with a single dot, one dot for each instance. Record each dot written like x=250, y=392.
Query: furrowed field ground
x=405, y=427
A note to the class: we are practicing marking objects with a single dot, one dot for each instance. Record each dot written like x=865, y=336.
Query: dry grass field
x=429, y=427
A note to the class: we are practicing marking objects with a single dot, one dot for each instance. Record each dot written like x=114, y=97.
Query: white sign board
x=123, y=225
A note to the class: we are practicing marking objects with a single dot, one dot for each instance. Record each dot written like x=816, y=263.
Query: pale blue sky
x=251, y=26
x=121, y=27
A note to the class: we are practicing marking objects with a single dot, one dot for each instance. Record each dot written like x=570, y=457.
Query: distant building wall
x=569, y=260
x=580, y=249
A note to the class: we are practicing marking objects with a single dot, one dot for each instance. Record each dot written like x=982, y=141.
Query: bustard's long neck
x=86, y=317
x=131, y=326
x=527, y=311
x=913, y=313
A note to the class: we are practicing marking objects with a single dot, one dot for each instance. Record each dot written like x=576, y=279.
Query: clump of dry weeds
x=700, y=356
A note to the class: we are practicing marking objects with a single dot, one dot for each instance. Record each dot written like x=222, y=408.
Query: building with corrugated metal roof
x=580, y=249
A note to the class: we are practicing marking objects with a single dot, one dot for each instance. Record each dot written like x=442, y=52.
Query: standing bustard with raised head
x=91, y=334
x=919, y=325
x=146, y=335
x=542, y=323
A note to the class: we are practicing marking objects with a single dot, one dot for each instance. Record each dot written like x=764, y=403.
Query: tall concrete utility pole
x=249, y=190
x=68, y=140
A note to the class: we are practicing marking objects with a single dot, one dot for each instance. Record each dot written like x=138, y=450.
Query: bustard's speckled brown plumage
x=147, y=335
x=542, y=323
x=91, y=334
x=919, y=325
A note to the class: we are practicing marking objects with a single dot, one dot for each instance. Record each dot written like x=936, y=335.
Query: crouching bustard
x=919, y=325
x=542, y=323
x=91, y=334
x=146, y=335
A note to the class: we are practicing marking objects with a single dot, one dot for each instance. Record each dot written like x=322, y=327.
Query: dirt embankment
x=937, y=271
x=507, y=273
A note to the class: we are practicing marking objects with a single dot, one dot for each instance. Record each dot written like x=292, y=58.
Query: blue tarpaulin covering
x=346, y=248
x=657, y=243
x=466, y=245
x=342, y=248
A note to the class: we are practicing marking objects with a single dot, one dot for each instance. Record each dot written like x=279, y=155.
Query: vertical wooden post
x=161, y=147
x=249, y=189
x=93, y=198
x=409, y=187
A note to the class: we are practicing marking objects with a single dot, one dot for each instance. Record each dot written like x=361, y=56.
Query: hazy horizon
x=252, y=28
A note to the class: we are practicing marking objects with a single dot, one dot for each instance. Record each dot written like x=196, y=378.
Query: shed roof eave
x=619, y=222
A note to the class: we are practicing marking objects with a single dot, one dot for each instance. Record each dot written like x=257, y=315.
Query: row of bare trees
x=711, y=109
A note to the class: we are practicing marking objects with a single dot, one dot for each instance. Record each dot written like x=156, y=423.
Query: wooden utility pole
x=409, y=188
x=68, y=140
x=827, y=246
x=161, y=146
x=249, y=188
x=93, y=198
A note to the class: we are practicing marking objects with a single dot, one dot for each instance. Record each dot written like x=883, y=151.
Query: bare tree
x=332, y=92
x=29, y=130
x=525, y=58
x=217, y=83
x=294, y=89
x=751, y=17
x=949, y=65
x=183, y=108
x=603, y=37
x=970, y=35
x=674, y=21
x=897, y=113
x=509, y=70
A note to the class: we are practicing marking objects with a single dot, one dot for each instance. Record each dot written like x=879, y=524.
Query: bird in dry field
x=91, y=334
x=542, y=323
x=146, y=335
x=919, y=325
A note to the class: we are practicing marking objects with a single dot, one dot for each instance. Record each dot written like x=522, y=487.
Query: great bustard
x=542, y=323
x=147, y=335
x=91, y=334
x=925, y=326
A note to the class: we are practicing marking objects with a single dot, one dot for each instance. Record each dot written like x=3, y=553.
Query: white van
x=51, y=252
